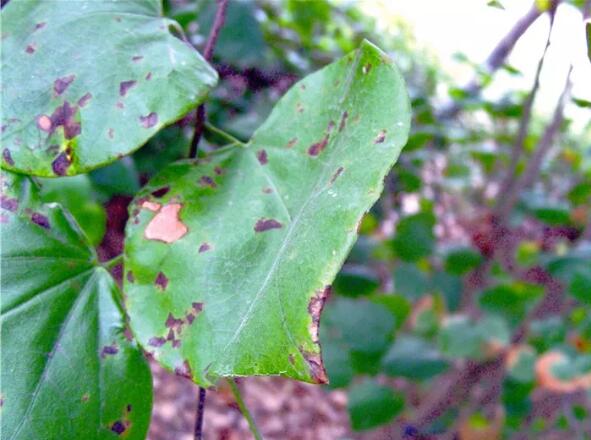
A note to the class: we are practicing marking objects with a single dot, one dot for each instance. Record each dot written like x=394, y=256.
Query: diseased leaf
x=86, y=84
x=228, y=260
x=68, y=371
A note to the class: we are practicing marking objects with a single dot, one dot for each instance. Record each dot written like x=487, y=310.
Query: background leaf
x=68, y=370
x=102, y=78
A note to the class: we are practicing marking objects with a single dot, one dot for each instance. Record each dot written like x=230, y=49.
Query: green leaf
x=101, y=79
x=414, y=236
x=76, y=195
x=68, y=370
x=513, y=299
x=356, y=281
x=461, y=260
x=462, y=337
x=371, y=404
x=410, y=281
x=227, y=270
x=413, y=358
x=588, y=27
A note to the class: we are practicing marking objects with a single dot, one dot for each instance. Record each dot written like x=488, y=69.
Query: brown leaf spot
x=161, y=191
x=218, y=171
x=7, y=157
x=292, y=142
x=61, y=84
x=331, y=125
x=148, y=76
x=315, y=307
x=265, y=224
x=291, y=359
x=3, y=219
x=366, y=68
x=111, y=133
x=60, y=164
x=151, y=206
x=84, y=100
x=136, y=58
x=118, y=427
x=262, y=157
x=157, y=342
x=336, y=174
x=197, y=306
x=149, y=120
x=44, y=123
x=41, y=220
x=190, y=318
x=268, y=190
x=317, y=371
x=124, y=86
x=316, y=149
x=166, y=226
x=30, y=49
x=40, y=25
x=204, y=247
x=64, y=116
x=299, y=107
x=8, y=203
x=85, y=397
x=184, y=370
x=161, y=281
x=343, y=120
x=120, y=105
x=172, y=322
x=130, y=276
x=381, y=137
x=207, y=181
x=109, y=350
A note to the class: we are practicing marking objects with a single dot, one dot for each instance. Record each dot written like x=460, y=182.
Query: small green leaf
x=68, y=370
x=414, y=236
x=229, y=259
x=461, y=260
x=513, y=299
x=410, y=281
x=84, y=85
x=355, y=281
x=462, y=337
x=413, y=358
x=371, y=405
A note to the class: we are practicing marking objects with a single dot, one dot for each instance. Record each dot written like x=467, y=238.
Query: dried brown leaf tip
x=166, y=226
x=315, y=307
x=265, y=224
x=262, y=157
x=149, y=120
x=316, y=367
x=546, y=377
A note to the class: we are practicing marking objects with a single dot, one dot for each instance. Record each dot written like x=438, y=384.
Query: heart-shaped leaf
x=228, y=260
x=68, y=371
x=85, y=83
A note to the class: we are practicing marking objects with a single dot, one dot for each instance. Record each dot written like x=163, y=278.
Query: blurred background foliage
x=451, y=316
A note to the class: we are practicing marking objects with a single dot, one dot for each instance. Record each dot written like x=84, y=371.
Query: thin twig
x=524, y=122
x=496, y=58
x=534, y=164
x=244, y=410
x=218, y=23
x=200, y=411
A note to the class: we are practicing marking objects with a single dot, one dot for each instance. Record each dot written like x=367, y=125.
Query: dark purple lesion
x=266, y=224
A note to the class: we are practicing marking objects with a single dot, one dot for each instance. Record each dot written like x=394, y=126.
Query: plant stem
x=244, y=410
x=218, y=23
x=113, y=262
x=222, y=133
x=200, y=411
